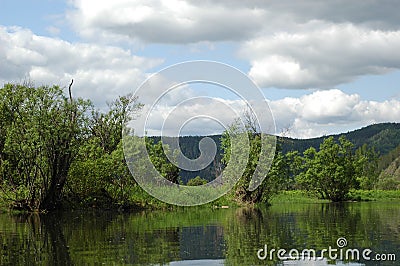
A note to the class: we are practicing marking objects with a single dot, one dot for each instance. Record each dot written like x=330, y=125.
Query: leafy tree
x=332, y=171
x=255, y=140
x=41, y=130
x=367, y=167
x=160, y=161
x=99, y=175
x=294, y=166
x=107, y=127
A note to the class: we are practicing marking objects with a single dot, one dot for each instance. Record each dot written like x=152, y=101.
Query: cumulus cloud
x=298, y=45
x=330, y=111
x=321, y=58
x=160, y=21
x=307, y=44
x=178, y=21
x=195, y=114
x=101, y=72
x=316, y=114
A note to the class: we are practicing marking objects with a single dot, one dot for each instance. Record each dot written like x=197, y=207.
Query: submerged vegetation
x=57, y=151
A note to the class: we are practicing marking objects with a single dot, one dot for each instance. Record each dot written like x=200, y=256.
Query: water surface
x=200, y=236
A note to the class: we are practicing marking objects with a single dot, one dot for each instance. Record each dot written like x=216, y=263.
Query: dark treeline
x=189, y=146
x=383, y=138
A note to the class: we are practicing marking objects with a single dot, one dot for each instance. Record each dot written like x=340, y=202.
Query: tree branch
x=69, y=90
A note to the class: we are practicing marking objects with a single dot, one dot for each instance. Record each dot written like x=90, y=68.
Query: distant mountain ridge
x=384, y=137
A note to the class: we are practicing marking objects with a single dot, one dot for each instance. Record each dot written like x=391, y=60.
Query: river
x=203, y=236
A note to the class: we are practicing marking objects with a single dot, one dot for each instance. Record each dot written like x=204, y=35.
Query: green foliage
x=189, y=146
x=388, y=182
x=387, y=159
x=49, y=142
x=367, y=162
x=374, y=195
x=389, y=165
x=295, y=197
x=160, y=161
x=107, y=127
x=99, y=176
x=332, y=171
x=272, y=180
x=197, y=181
x=41, y=131
x=382, y=137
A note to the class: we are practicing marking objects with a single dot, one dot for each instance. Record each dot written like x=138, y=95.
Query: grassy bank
x=140, y=200
x=298, y=196
x=375, y=195
x=295, y=196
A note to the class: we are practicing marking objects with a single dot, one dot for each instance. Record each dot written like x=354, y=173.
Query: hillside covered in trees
x=384, y=138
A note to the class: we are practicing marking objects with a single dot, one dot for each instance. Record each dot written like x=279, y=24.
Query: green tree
x=332, y=171
x=368, y=160
x=157, y=155
x=41, y=130
x=107, y=127
x=254, y=141
x=99, y=175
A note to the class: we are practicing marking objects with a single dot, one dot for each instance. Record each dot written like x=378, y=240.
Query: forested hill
x=383, y=137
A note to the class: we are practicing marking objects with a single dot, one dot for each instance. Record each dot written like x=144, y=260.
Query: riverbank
x=300, y=196
x=147, y=202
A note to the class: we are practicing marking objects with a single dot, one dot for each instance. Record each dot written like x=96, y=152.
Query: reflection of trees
x=161, y=237
x=32, y=240
x=306, y=226
x=147, y=238
x=55, y=240
x=250, y=229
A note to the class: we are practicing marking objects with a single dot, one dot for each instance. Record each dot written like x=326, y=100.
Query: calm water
x=200, y=236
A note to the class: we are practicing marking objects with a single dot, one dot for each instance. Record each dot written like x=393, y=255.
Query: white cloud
x=312, y=115
x=323, y=57
x=328, y=106
x=194, y=115
x=159, y=21
x=306, y=44
x=177, y=21
x=101, y=72
x=288, y=44
x=330, y=111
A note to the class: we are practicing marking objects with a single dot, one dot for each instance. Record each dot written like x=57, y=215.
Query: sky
x=323, y=67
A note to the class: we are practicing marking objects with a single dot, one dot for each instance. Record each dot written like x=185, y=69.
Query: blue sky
x=324, y=69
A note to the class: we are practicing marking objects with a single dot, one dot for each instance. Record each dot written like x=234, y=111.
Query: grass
x=298, y=196
x=295, y=196
x=375, y=195
x=141, y=200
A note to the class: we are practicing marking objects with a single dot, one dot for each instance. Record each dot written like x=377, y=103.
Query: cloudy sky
x=324, y=67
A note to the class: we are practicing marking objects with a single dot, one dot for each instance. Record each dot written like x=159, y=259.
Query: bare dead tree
x=69, y=90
